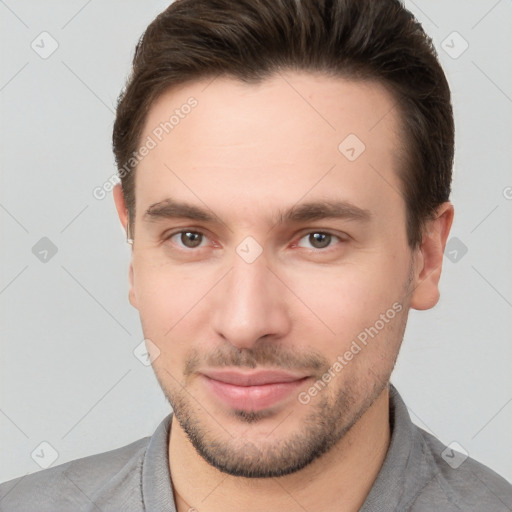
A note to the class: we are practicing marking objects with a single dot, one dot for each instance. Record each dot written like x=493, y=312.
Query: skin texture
x=245, y=153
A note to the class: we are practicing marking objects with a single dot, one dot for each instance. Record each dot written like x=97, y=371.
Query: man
x=286, y=170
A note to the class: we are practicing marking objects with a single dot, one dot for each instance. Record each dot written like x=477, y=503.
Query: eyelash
x=308, y=233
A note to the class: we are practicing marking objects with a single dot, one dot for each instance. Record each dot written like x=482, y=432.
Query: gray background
x=68, y=373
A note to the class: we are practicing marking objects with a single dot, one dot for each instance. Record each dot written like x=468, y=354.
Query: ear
x=122, y=212
x=429, y=259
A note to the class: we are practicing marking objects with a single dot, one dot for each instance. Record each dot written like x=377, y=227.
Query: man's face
x=263, y=282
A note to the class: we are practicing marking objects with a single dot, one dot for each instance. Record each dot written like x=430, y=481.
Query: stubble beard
x=327, y=422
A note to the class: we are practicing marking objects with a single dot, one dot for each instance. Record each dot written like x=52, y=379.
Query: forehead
x=327, y=105
x=274, y=141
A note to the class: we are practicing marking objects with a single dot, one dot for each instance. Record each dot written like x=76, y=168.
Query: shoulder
x=460, y=482
x=76, y=484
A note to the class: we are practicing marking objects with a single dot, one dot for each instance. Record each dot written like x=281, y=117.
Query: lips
x=251, y=391
x=256, y=378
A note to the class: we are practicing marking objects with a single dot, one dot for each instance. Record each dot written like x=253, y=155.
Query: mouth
x=251, y=391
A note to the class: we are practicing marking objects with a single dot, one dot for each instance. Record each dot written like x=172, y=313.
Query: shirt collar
x=406, y=469
x=157, y=491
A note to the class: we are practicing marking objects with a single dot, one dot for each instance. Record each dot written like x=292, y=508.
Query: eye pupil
x=320, y=240
x=191, y=239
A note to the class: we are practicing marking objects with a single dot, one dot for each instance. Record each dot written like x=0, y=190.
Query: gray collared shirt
x=419, y=474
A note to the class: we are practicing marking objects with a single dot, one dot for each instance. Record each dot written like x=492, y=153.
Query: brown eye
x=187, y=239
x=191, y=239
x=320, y=240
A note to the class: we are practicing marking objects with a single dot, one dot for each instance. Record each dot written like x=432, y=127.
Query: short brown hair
x=377, y=40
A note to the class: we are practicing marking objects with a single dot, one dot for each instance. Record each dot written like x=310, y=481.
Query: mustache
x=266, y=354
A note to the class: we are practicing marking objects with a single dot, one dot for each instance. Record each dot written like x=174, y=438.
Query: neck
x=339, y=480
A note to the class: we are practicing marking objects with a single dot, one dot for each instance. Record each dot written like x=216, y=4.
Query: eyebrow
x=316, y=210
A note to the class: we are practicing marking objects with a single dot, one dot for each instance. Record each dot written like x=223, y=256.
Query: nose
x=250, y=304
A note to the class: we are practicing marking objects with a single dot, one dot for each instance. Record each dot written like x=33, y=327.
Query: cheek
x=359, y=302
x=162, y=306
x=346, y=295
x=163, y=296
x=173, y=303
